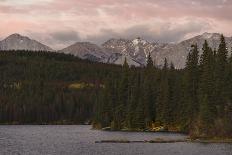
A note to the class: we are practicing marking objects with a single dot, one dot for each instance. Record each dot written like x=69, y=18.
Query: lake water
x=80, y=140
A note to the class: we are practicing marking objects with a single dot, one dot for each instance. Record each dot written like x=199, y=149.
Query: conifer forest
x=55, y=88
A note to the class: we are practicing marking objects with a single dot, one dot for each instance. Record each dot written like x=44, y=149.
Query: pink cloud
x=90, y=17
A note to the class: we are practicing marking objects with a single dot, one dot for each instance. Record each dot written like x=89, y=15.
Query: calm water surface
x=80, y=140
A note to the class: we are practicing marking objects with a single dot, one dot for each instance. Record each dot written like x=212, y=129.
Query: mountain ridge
x=116, y=50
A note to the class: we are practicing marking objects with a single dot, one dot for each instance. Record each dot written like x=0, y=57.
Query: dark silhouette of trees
x=48, y=87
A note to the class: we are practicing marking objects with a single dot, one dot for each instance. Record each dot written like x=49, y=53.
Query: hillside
x=48, y=87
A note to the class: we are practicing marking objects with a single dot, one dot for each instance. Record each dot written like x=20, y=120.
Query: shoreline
x=159, y=140
x=44, y=124
x=140, y=130
x=206, y=140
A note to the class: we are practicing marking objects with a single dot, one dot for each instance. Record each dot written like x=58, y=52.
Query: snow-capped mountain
x=19, y=42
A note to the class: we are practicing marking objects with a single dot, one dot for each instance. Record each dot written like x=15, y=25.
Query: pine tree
x=150, y=63
x=206, y=86
x=149, y=91
x=227, y=110
x=139, y=116
x=220, y=75
x=134, y=97
x=107, y=104
x=172, y=94
x=163, y=101
x=191, y=82
x=123, y=97
x=229, y=79
x=206, y=118
x=207, y=70
x=222, y=54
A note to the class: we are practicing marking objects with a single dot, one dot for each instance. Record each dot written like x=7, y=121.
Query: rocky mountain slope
x=18, y=42
x=135, y=50
x=177, y=53
x=86, y=50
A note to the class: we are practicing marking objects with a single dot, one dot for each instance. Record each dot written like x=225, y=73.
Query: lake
x=80, y=140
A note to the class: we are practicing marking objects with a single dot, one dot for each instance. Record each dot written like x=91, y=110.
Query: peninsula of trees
x=196, y=99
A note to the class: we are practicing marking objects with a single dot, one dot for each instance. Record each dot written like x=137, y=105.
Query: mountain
x=116, y=50
x=177, y=53
x=136, y=50
x=19, y=42
x=113, y=51
x=90, y=51
x=86, y=50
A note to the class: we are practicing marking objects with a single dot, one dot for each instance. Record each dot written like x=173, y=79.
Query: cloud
x=65, y=36
x=161, y=32
x=62, y=22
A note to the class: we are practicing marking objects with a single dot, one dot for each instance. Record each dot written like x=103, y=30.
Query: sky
x=59, y=23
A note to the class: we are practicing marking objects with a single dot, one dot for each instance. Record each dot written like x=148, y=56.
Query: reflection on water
x=79, y=139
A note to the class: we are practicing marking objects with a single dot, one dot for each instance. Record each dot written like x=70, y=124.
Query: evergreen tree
x=191, y=81
x=150, y=63
x=220, y=74
x=206, y=87
x=172, y=94
x=139, y=116
x=163, y=101
x=123, y=99
x=205, y=116
x=149, y=91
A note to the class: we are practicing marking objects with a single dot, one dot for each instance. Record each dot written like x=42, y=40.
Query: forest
x=55, y=88
x=48, y=87
x=196, y=100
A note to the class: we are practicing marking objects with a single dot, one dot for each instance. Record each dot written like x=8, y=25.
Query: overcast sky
x=59, y=23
